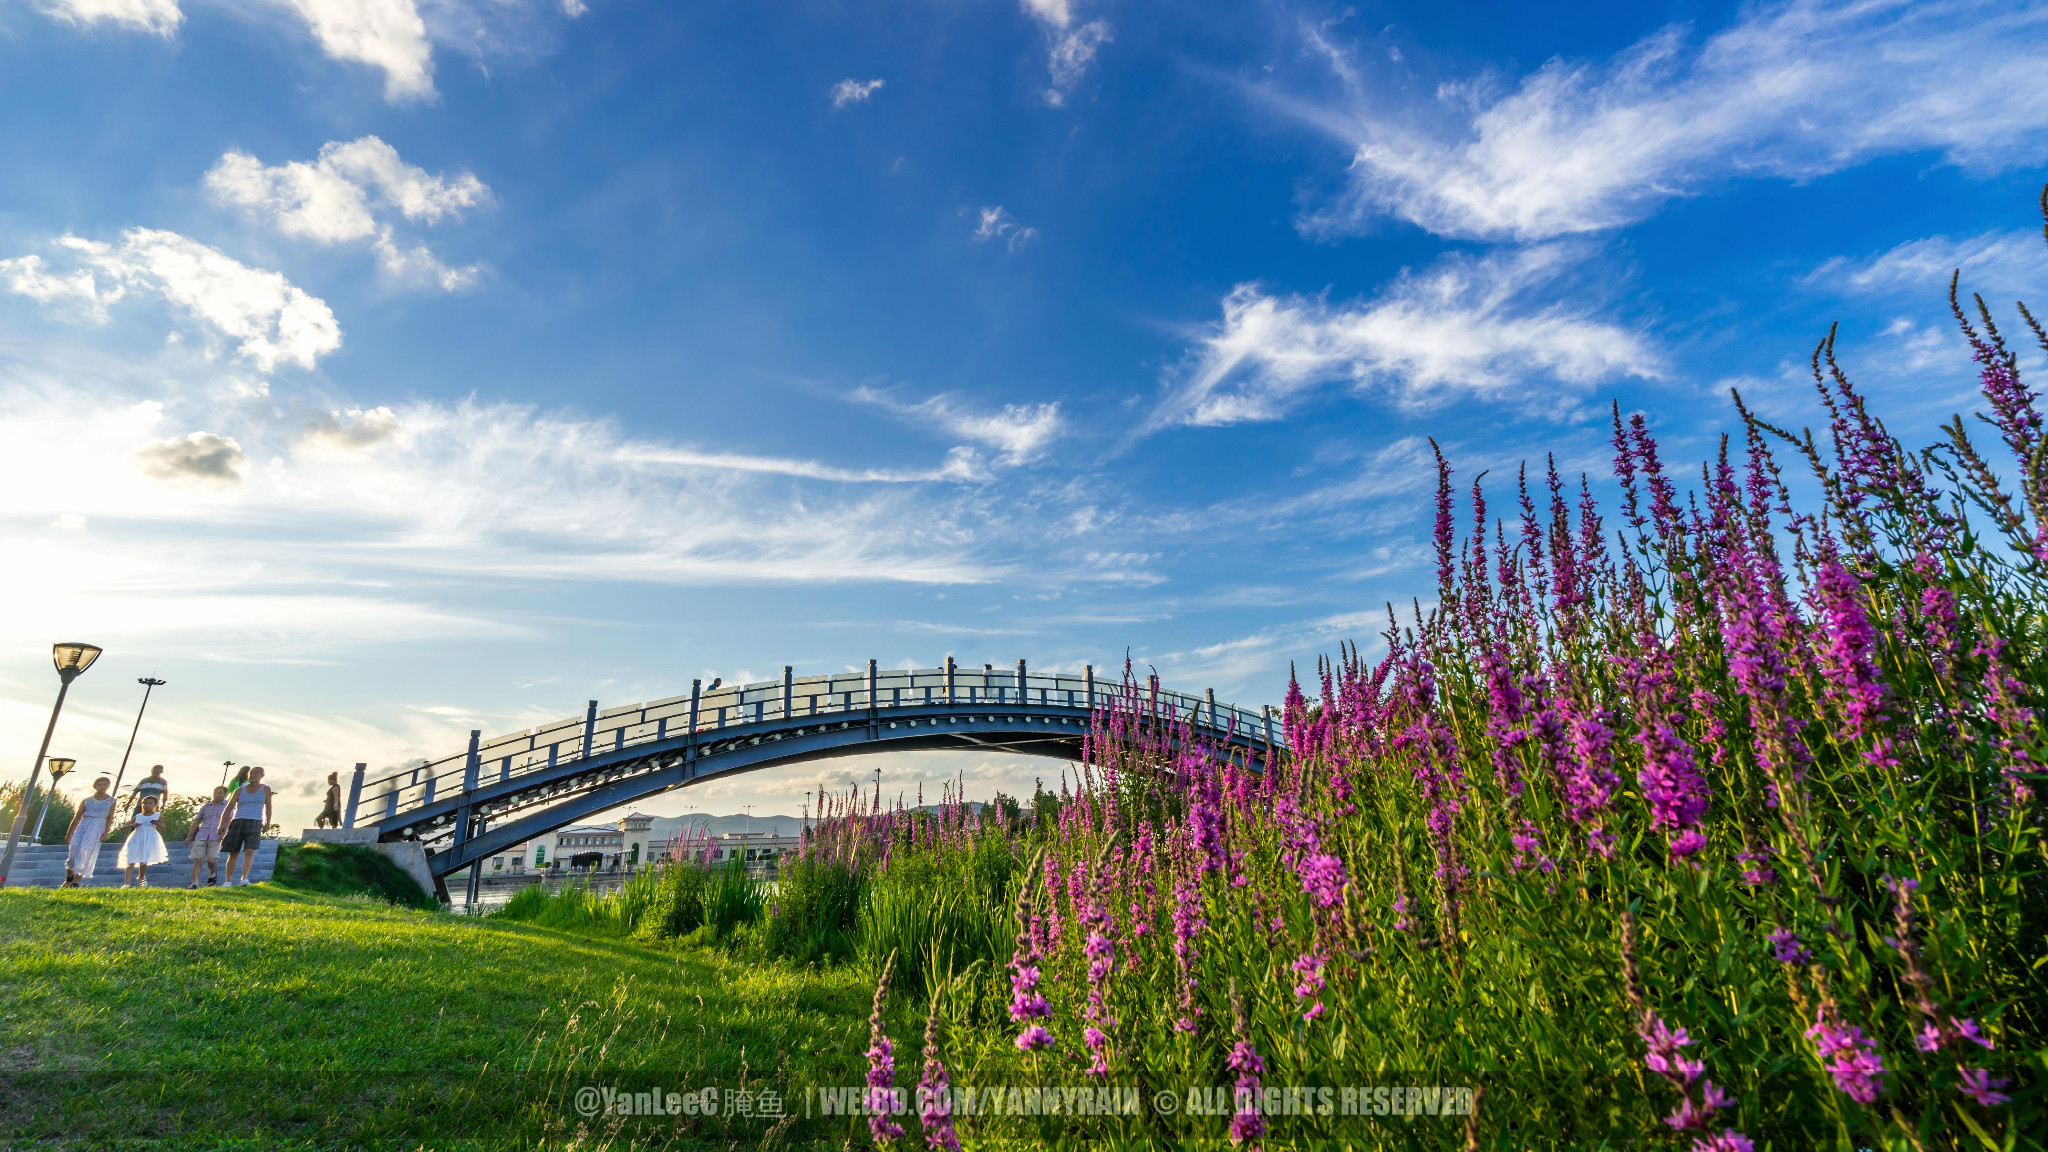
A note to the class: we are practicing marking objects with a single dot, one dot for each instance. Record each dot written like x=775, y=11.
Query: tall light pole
x=60, y=766
x=71, y=661
x=148, y=683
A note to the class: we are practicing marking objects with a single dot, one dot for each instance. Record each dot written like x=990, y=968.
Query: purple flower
x=1756, y=877
x=1967, y=1029
x=1982, y=1086
x=1728, y=1141
x=1854, y=683
x=1033, y=1038
x=934, y=1092
x=1786, y=948
x=1188, y=924
x=1849, y=1056
x=1323, y=879
x=882, y=1098
x=1246, y=1124
x=1664, y=1056
x=1699, y=1098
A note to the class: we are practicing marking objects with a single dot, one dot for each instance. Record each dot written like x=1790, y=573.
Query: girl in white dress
x=144, y=846
x=88, y=828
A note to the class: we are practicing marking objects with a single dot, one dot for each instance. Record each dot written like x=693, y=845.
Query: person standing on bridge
x=250, y=805
x=330, y=815
x=88, y=828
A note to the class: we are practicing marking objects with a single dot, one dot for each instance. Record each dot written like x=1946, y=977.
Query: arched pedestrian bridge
x=510, y=789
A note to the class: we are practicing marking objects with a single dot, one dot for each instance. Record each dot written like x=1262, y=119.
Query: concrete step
x=42, y=866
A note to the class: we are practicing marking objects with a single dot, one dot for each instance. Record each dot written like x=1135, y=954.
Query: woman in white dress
x=144, y=846
x=88, y=828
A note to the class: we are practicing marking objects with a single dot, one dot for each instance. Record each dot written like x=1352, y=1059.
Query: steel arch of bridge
x=510, y=789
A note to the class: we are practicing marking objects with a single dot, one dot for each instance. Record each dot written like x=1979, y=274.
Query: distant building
x=624, y=844
x=757, y=851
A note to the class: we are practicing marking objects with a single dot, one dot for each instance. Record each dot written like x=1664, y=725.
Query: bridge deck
x=505, y=790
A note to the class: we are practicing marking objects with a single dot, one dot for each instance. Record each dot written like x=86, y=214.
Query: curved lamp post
x=149, y=683
x=71, y=660
x=60, y=767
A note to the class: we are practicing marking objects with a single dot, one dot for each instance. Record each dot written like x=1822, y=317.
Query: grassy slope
x=265, y=1018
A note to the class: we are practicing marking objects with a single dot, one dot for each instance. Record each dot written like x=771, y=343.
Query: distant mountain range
x=665, y=827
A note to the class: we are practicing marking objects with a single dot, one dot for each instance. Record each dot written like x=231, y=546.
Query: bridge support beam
x=355, y=796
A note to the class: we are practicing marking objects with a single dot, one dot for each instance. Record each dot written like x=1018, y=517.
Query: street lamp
x=148, y=683
x=60, y=767
x=71, y=660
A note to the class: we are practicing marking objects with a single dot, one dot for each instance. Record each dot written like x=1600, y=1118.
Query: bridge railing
x=598, y=732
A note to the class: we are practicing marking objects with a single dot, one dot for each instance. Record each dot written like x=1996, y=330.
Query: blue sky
x=374, y=371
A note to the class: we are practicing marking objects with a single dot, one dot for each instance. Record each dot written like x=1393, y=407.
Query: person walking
x=88, y=828
x=330, y=816
x=250, y=805
x=144, y=846
x=154, y=785
x=204, y=838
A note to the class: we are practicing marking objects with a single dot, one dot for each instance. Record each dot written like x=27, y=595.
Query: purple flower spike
x=882, y=1097
x=1728, y=1141
x=1034, y=1038
x=1246, y=1124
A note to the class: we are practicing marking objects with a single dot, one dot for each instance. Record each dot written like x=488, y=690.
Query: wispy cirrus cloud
x=851, y=91
x=1489, y=327
x=1071, y=45
x=1790, y=91
x=339, y=197
x=1993, y=262
x=1019, y=433
x=997, y=224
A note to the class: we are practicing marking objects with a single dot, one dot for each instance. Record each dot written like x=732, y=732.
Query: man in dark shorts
x=330, y=816
x=250, y=807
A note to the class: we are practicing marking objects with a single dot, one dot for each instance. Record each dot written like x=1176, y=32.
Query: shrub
x=345, y=870
x=731, y=898
x=817, y=903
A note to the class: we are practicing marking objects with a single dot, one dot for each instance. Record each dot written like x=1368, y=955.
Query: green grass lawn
x=265, y=1018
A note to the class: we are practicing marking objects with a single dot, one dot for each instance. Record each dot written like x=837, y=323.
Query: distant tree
x=61, y=811
x=1007, y=809
x=1045, y=806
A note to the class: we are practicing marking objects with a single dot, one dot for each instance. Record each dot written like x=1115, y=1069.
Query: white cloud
x=1792, y=91
x=997, y=224
x=1020, y=432
x=574, y=8
x=1994, y=262
x=852, y=91
x=1070, y=48
x=960, y=464
x=201, y=457
x=385, y=34
x=1488, y=327
x=272, y=320
x=351, y=430
x=158, y=17
x=25, y=276
x=336, y=199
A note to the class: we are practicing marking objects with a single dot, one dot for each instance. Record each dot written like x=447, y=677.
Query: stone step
x=42, y=866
